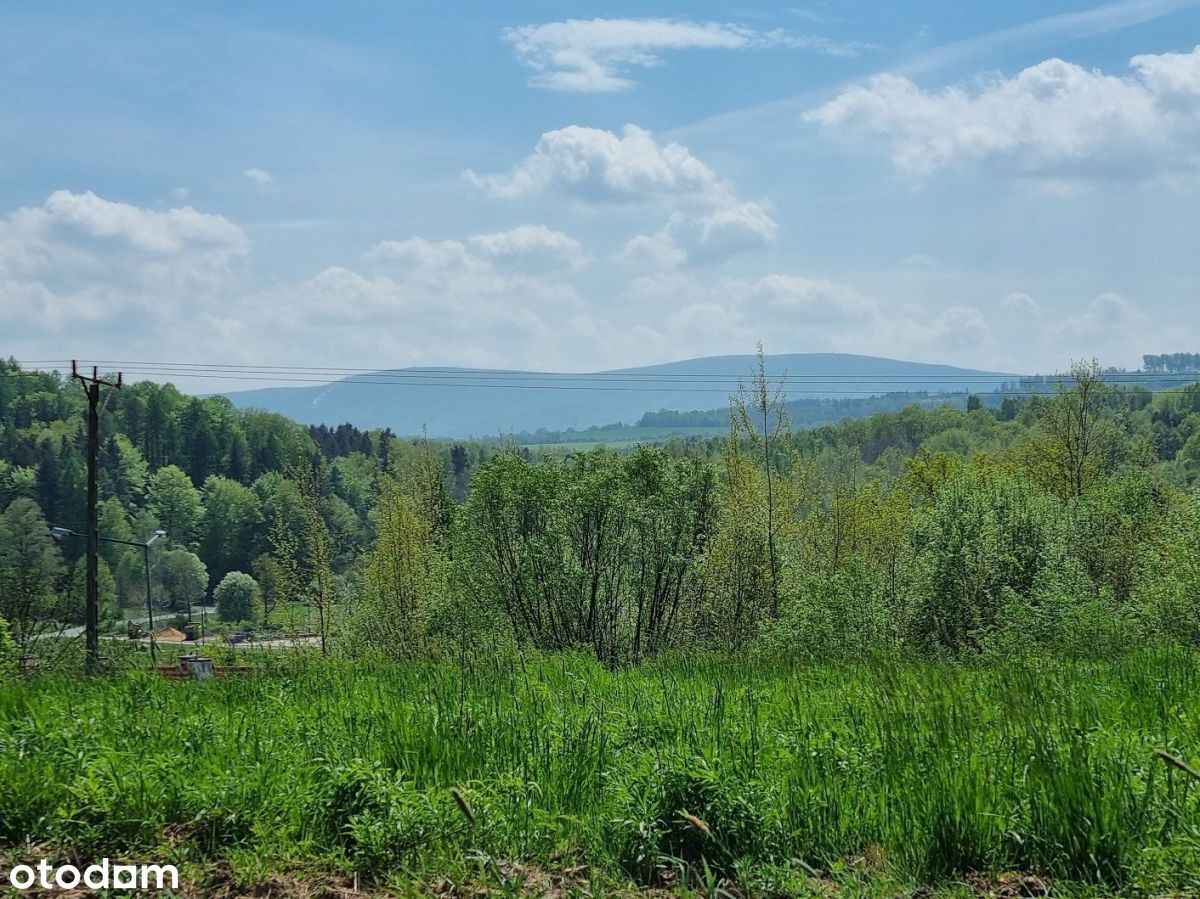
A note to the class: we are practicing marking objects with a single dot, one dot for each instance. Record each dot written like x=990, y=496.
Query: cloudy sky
x=575, y=186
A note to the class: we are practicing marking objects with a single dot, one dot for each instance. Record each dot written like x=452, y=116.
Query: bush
x=983, y=541
x=238, y=598
x=843, y=613
x=690, y=813
x=377, y=820
x=8, y=649
x=1167, y=600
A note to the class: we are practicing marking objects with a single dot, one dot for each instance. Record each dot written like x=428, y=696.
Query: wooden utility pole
x=91, y=387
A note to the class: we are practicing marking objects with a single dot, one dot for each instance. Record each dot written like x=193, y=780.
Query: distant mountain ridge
x=465, y=402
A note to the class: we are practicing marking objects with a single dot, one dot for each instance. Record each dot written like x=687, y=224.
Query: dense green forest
x=942, y=526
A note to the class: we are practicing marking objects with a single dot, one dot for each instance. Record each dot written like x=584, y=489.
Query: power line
x=864, y=392
x=229, y=368
x=615, y=382
x=188, y=368
x=619, y=374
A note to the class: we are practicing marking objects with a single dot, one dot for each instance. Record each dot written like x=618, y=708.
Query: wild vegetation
x=923, y=647
x=779, y=775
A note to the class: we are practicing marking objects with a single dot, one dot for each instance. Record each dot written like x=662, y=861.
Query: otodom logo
x=100, y=876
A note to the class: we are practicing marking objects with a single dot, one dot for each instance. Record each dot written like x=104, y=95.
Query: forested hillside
x=709, y=540
x=222, y=482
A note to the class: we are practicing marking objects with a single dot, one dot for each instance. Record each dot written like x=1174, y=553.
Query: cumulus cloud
x=476, y=279
x=660, y=250
x=531, y=247
x=1107, y=315
x=707, y=237
x=817, y=300
x=487, y=299
x=593, y=55
x=597, y=165
x=88, y=257
x=82, y=271
x=81, y=274
x=526, y=247
x=794, y=312
x=592, y=165
x=698, y=317
x=1020, y=304
x=957, y=330
x=1053, y=120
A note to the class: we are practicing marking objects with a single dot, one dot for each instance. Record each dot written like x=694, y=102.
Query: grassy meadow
x=698, y=772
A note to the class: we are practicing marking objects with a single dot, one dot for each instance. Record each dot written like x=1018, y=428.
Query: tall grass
x=729, y=763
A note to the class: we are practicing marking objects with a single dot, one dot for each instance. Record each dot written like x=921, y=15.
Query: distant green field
x=786, y=779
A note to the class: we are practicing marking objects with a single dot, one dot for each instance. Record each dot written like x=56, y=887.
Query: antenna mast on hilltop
x=91, y=387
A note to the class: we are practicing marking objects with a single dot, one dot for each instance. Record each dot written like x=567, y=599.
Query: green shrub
x=843, y=613
x=982, y=541
x=689, y=812
x=9, y=653
x=238, y=598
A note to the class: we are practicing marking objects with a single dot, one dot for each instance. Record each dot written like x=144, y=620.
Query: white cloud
x=794, y=313
x=421, y=254
x=1054, y=120
x=529, y=248
x=815, y=299
x=488, y=299
x=592, y=55
x=708, y=237
x=259, y=177
x=1170, y=74
x=78, y=268
x=1106, y=316
x=958, y=331
x=90, y=257
x=85, y=275
x=110, y=278
x=658, y=251
x=596, y=166
x=1020, y=304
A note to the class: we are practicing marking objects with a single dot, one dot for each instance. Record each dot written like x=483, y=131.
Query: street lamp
x=60, y=533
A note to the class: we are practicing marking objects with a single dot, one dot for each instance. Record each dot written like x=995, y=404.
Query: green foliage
x=658, y=772
x=9, y=652
x=834, y=615
x=231, y=525
x=983, y=541
x=110, y=607
x=688, y=812
x=183, y=576
x=599, y=551
x=238, y=598
x=175, y=503
x=1167, y=597
x=30, y=564
x=405, y=578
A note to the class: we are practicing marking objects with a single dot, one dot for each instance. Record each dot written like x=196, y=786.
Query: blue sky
x=573, y=186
